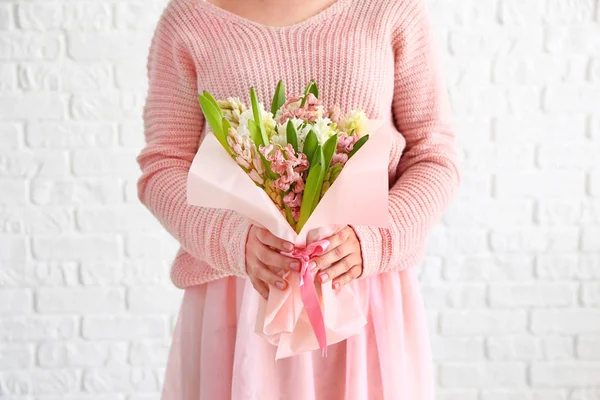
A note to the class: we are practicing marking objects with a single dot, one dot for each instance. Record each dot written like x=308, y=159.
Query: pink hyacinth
x=244, y=152
x=299, y=186
x=299, y=161
x=292, y=199
x=334, y=113
x=339, y=158
x=290, y=101
x=307, y=112
x=288, y=166
x=266, y=150
x=257, y=163
x=275, y=156
x=346, y=142
x=243, y=162
x=256, y=177
x=283, y=182
x=296, y=213
x=234, y=141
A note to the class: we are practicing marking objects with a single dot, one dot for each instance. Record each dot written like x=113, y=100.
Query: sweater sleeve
x=428, y=171
x=173, y=125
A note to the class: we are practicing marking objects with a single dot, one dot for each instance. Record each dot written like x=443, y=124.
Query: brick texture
x=512, y=276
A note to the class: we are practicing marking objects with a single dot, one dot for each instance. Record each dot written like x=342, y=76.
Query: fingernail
x=336, y=286
x=280, y=285
x=295, y=265
x=324, y=277
x=312, y=265
x=288, y=246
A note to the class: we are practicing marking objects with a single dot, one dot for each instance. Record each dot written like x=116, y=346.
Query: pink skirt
x=215, y=354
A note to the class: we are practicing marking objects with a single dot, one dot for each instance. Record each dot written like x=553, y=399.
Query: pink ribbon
x=308, y=292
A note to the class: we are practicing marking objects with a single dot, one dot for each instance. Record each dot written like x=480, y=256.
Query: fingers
x=337, y=239
x=264, y=276
x=277, y=260
x=332, y=257
x=279, y=272
x=268, y=239
x=339, y=268
x=260, y=254
x=270, y=278
x=338, y=249
x=343, y=261
x=347, y=277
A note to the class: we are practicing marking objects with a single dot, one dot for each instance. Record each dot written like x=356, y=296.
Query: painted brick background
x=512, y=278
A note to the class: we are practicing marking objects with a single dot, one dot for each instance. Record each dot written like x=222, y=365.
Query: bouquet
x=295, y=152
x=303, y=172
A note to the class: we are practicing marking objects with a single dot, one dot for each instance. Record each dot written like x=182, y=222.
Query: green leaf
x=254, y=134
x=278, y=97
x=214, y=118
x=310, y=145
x=258, y=118
x=289, y=217
x=358, y=145
x=292, y=135
x=310, y=88
x=226, y=125
x=212, y=100
x=314, y=89
x=314, y=181
x=320, y=160
x=307, y=90
x=329, y=150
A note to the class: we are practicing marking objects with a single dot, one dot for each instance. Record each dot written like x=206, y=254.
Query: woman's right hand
x=264, y=263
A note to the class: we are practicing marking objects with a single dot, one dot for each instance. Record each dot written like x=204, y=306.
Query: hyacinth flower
x=291, y=168
x=345, y=143
x=307, y=107
x=232, y=109
x=355, y=123
x=334, y=114
x=294, y=152
x=245, y=154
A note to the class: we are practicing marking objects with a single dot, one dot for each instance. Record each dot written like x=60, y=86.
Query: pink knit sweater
x=377, y=55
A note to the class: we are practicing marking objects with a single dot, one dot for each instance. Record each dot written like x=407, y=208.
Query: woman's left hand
x=342, y=261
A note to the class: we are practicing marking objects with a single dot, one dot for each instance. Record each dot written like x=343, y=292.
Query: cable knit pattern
x=378, y=55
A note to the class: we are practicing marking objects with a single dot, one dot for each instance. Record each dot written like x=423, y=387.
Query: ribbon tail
x=308, y=293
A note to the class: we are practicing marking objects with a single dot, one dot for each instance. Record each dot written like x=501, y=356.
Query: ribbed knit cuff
x=370, y=248
x=239, y=253
x=219, y=239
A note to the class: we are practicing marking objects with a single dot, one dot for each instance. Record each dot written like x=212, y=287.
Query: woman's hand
x=343, y=260
x=264, y=264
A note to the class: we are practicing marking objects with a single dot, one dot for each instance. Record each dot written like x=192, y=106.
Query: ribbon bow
x=308, y=292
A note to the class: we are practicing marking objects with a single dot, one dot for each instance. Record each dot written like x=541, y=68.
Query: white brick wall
x=512, y=279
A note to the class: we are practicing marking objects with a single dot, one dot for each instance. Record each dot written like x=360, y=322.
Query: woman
x=373, y=54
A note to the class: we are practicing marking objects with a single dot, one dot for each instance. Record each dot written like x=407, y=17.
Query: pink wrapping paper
x=359, y=196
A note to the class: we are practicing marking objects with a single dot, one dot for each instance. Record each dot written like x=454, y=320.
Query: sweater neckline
x=325, y=13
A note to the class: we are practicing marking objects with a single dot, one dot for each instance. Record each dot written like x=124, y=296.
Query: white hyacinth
x=242, y=128
x=355, y=122
x=322, y=128
x=281, y=137
x=247, y=115
x=301, y=134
